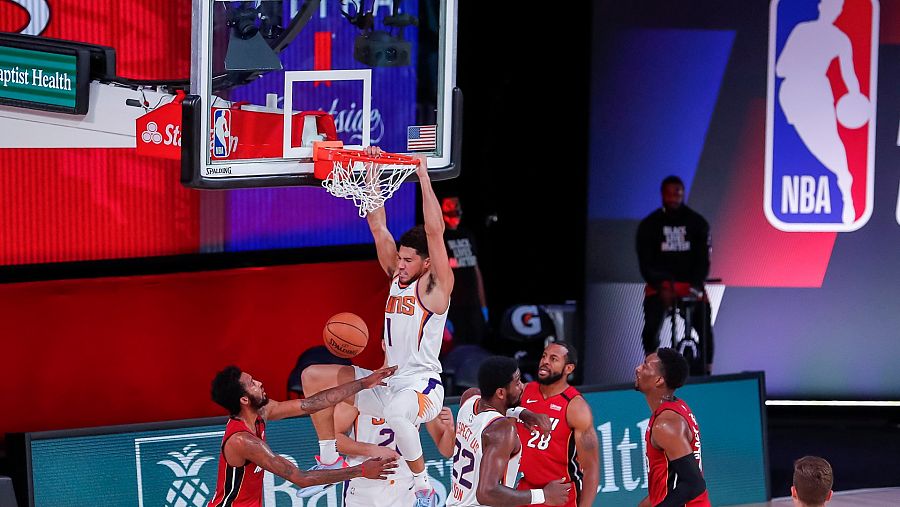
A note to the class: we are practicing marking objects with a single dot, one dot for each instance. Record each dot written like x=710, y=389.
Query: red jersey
x=661, y=480
x=546, y=459
x=239, y=486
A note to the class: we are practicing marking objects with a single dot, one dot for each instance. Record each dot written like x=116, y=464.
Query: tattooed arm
x=275, y=410
x=243, y=447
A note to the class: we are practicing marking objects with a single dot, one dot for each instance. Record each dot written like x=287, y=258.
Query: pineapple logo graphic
x=187, y=488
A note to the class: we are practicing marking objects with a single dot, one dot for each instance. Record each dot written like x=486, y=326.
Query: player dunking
x=570, y=450
x=415, y=314
x=244, y=452
x=488, y=449
x=673, y=436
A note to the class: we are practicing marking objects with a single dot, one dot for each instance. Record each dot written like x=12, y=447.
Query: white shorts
x=389, y=493
x=429, y=392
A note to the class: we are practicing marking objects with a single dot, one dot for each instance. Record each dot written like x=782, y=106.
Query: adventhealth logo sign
x=177, y=466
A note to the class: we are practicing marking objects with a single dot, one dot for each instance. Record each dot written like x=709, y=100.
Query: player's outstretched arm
x=499, y=441
x=344, y=418
x=438, y=297
x=671, y=434
x=250, y=448
x=587, y=447
x=534, y=421
x=385, y=245
x=443, y=432
x=275, y=410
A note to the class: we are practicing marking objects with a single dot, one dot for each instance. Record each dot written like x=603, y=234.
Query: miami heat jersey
x=412, y=333
x=547, y=458
x=470, y=426
x=239, y=486
x=661, y=479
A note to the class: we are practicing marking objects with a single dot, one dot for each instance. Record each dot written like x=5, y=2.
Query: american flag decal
x=421, y=137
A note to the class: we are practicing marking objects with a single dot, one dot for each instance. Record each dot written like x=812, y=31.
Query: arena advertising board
x=176, y=466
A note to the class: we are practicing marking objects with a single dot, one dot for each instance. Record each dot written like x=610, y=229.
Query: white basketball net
x=367, y=184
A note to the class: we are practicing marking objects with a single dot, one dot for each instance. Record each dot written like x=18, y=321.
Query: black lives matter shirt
x=463, y=259
x=674, y=245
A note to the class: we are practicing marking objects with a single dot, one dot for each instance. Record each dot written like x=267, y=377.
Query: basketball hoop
x=367, y=180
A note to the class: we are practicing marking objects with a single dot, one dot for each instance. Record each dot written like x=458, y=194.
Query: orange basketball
x=345, y=334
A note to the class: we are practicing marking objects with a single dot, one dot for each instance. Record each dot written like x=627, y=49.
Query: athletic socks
x=328, y=452
x=421, y=481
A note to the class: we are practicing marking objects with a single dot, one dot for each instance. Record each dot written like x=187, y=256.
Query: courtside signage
x=820, y=114
x=147, y=465
x=48, y=80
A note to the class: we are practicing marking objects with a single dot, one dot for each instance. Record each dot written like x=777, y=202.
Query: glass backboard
x=269, y=78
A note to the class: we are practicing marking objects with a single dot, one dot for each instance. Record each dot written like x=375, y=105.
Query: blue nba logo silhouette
x=820, y=122
x=221, y=133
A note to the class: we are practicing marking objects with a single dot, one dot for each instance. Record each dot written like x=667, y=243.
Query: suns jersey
x=371, y=430
x=239, y=486
x=660, y=478
x=470, y=426
x=553, y=457
x=412, y=333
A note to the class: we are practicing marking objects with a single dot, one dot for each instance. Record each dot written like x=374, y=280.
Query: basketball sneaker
x=425, y=498
x=318, y=488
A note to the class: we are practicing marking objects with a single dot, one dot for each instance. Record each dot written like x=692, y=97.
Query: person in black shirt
x=673, y=246
x=468, y=313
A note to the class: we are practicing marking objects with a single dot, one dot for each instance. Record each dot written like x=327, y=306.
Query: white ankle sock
x=421, y=481
x=328, y=451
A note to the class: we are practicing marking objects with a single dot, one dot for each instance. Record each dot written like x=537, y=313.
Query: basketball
x=853, y=110
x=345, y=334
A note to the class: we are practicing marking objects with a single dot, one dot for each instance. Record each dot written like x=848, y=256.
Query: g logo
x=526, y=321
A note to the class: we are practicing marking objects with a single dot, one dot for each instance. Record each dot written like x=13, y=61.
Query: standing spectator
x=673, y=245
x=468, y=313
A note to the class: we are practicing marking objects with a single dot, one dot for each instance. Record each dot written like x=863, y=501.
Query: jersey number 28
x=542, y=442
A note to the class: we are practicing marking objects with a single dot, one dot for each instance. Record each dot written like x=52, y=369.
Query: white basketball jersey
x=375, y=431
x=467, y=463
x=412, y=334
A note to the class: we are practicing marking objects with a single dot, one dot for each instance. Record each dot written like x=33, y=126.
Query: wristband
x=515, y=412
x=537, y=496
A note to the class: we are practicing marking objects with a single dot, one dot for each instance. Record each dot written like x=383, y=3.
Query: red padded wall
x=105, y=351
x=60, y=205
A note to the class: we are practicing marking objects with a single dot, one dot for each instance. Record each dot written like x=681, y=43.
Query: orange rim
x=343, y=156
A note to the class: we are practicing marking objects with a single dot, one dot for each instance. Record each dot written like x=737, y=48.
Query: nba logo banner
x=221, y=133
x=820, y=115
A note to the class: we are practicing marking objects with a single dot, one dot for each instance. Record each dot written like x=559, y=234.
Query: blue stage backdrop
x=707, y=90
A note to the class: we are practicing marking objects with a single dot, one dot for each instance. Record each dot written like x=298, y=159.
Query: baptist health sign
x=37, y=77
x=174, y=464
